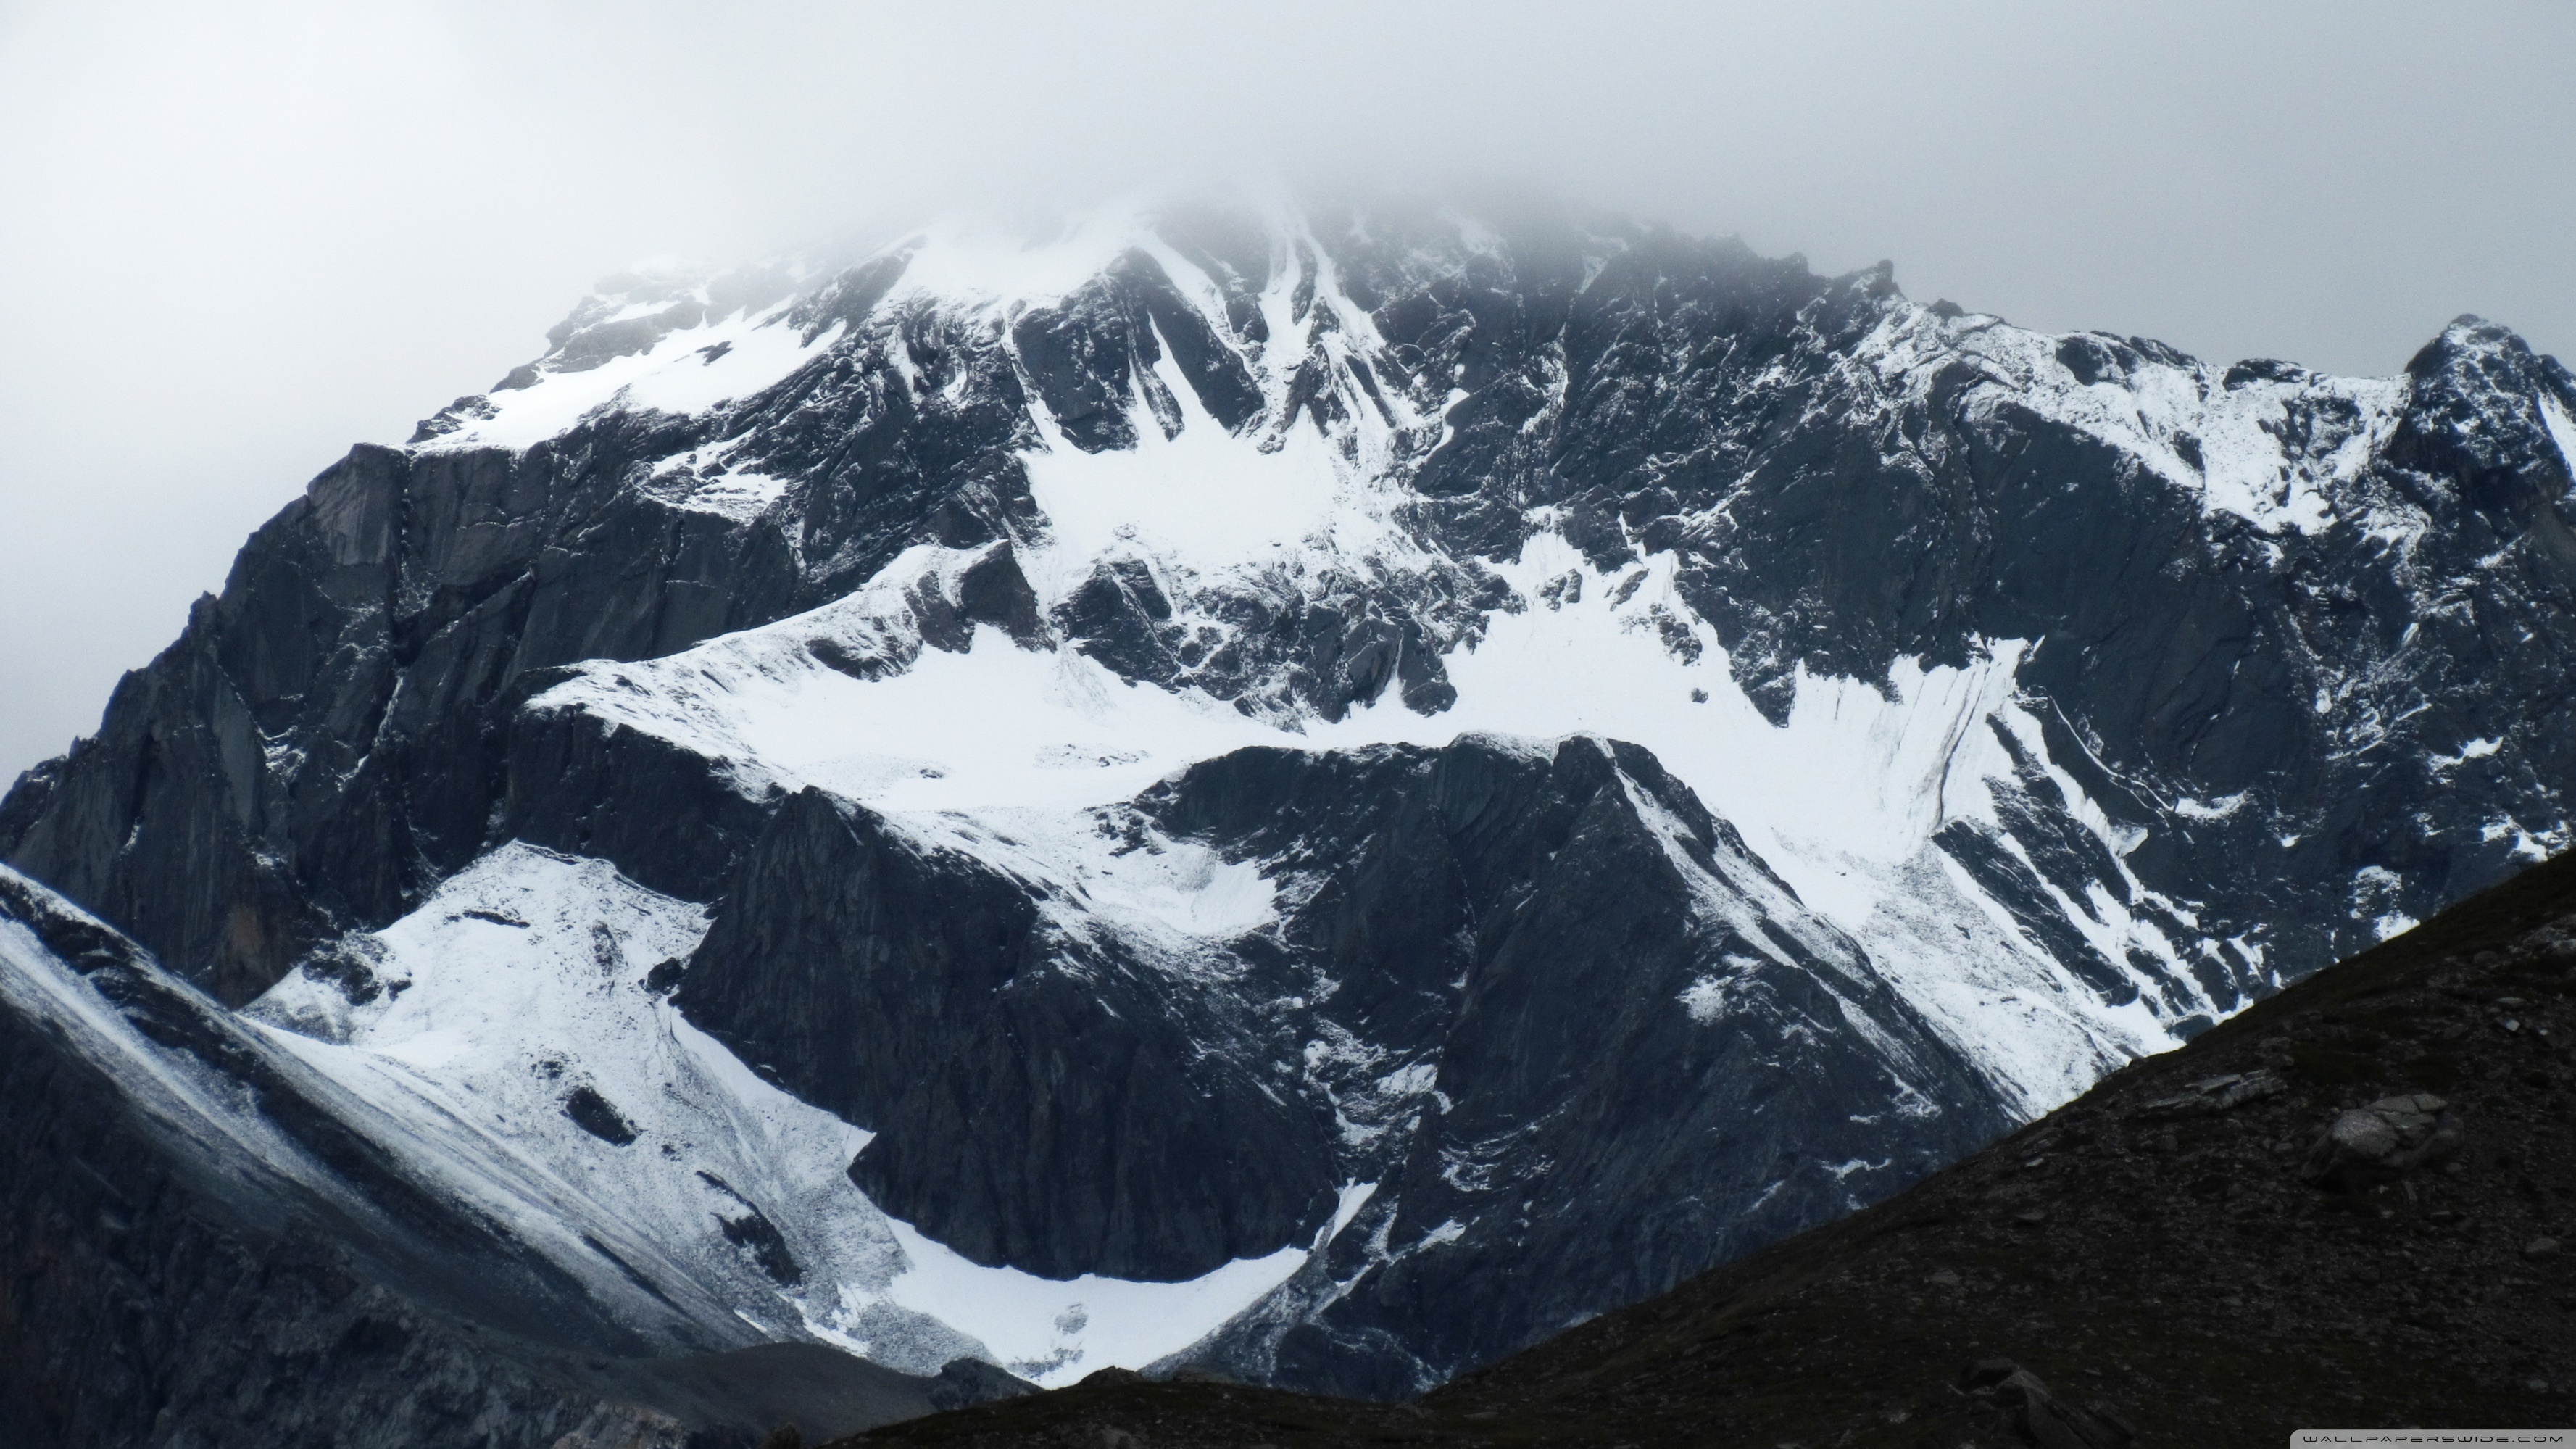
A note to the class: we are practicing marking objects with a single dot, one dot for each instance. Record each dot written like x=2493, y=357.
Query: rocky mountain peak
x=1326, y=762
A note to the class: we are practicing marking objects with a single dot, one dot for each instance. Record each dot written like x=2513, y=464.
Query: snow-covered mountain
x=1319, y=790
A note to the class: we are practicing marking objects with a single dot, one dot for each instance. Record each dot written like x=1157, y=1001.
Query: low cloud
x=235, y=240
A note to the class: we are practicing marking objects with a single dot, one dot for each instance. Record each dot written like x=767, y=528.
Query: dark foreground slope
x=2184, y=1255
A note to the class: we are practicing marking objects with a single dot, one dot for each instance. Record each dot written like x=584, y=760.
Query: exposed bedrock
x=1040, y=1100
x=1337, y=643
x=1092, y=353
x=1847, y=480
x=136, y=1304
x=670, y=819
x=331, y=735
x=1532, y=927
x=1475, y=948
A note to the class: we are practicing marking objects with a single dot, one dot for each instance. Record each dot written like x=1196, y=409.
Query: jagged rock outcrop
x=328, y=737
x=1482, y=939
x=1059, y=1106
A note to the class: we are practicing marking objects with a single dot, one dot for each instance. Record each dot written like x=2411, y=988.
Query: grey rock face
x=331, y=735
x=339, y=729
x=1062, y=1110
x=1485, y=943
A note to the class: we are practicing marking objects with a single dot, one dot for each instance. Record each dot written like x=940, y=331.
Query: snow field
x=972, y=749
x=522, y=981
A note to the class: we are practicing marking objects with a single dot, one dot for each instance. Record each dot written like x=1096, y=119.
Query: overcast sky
x=235, y=239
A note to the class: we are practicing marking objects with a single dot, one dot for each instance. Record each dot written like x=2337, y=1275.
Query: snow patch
x=2478, y=749
x=2562, y=430
x=689, y=370
x=1053, y=1331
x=1705, y=999
x=2219, y=809
x=2226, y=439
x=522, y=1045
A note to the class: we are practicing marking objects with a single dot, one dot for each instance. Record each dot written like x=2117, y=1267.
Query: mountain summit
x=1323, y=792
